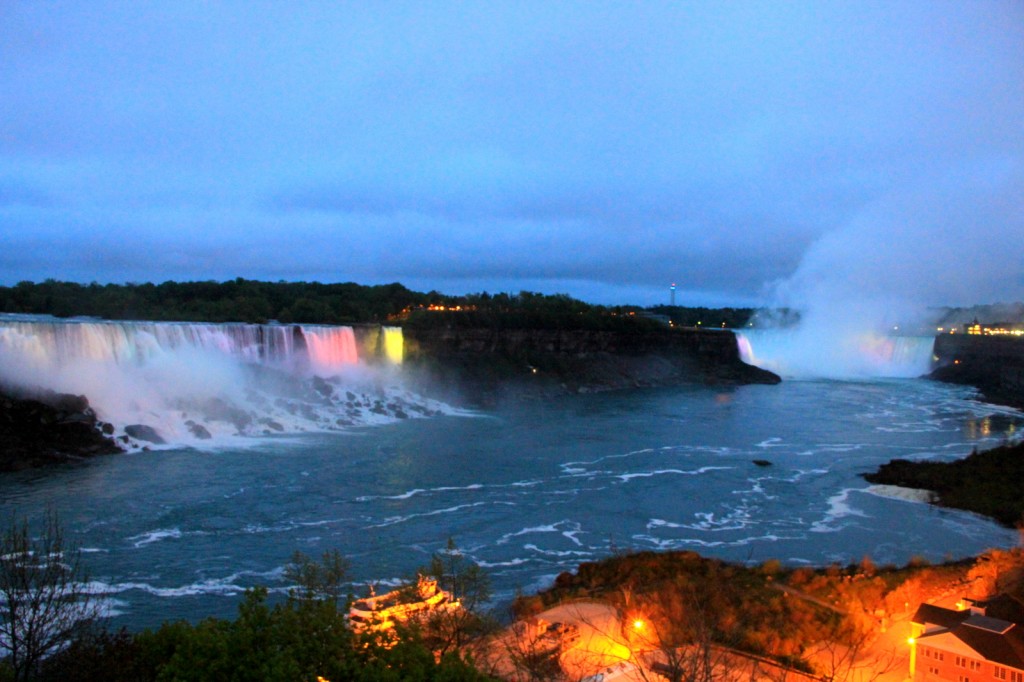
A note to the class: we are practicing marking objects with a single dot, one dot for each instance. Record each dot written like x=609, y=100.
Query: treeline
x=242, y=300
x=730, y=318
x=528, y=310
x=51, y=626
x=238, y=300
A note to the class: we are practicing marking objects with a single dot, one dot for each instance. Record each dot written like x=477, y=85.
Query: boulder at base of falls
x=146, y=433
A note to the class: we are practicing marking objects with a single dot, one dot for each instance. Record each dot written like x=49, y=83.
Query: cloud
x=590, y=145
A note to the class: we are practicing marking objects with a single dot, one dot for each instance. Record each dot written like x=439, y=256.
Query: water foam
x=210, y=385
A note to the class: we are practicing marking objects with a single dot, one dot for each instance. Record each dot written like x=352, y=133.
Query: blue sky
x=754, y=153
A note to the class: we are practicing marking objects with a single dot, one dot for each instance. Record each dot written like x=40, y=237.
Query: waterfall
x=53, y=343
x=394, y=345
x=799, y=353
x=204, y=380
x=330, y=348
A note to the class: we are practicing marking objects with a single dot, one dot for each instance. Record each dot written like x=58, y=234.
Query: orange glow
x=910, y=641
x=638, y=624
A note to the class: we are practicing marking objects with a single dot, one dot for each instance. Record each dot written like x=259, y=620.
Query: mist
x=205, y=385
x=889, y=270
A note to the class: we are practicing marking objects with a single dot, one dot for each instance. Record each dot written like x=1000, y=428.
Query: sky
x=775, y=153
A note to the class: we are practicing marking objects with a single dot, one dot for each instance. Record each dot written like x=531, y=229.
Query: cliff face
x=994, y=364
x=49, y=428
x=486, y=364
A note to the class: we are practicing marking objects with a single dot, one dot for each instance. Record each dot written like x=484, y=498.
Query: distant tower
x=672, y=291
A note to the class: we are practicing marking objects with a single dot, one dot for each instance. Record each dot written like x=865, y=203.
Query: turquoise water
x=528, y=491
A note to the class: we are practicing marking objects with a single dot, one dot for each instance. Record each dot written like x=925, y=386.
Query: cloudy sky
x=750, y=152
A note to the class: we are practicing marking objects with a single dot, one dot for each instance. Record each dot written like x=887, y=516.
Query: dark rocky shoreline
x=49, y=428
x=992, y=364
x=990, y=483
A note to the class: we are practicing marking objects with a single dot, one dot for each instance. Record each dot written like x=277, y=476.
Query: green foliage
x=323, y=580
x=303, y=638
x=528, y=310
x=238, y=300
x=448, y=631
x=729, y=318
x=989, y=483
x=242, y=300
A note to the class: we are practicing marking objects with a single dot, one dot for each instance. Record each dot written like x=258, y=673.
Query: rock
x=200, y=431
x=487, y=366
x=144, y=432
x=762, y=463
x=992, y=364
x=322, y=387
x=41, y=427
x=271, y=424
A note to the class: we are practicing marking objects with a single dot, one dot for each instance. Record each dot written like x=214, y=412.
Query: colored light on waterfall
x=330, y=347
x=394, y=345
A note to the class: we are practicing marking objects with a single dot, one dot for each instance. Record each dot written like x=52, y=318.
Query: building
x=981, y=642
x=994, y=329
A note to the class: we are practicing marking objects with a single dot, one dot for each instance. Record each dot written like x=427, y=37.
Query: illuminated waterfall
x=52, y=344
x=194, y=380
x=394, y=345
x=801, y=353
x=330, y=348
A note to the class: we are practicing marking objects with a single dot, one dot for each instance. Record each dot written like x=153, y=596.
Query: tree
x=672, y=634
x=324, y=579
x=532, y=656
x=43, y=595
x=449, y=630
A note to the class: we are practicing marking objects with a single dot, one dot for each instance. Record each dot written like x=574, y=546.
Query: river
x=527, y=490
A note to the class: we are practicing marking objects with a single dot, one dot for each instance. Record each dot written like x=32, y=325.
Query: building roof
x=930, y=614
x=997, y=639
x=1005, y=647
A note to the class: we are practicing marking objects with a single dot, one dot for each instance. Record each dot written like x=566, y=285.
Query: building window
x=932, y=670
x=963, y=678
x=974, y=665
x=961, y=662
x=1000, y=673
x=1016, y=676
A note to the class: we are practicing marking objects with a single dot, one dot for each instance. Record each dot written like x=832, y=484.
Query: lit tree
x=673, y=637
